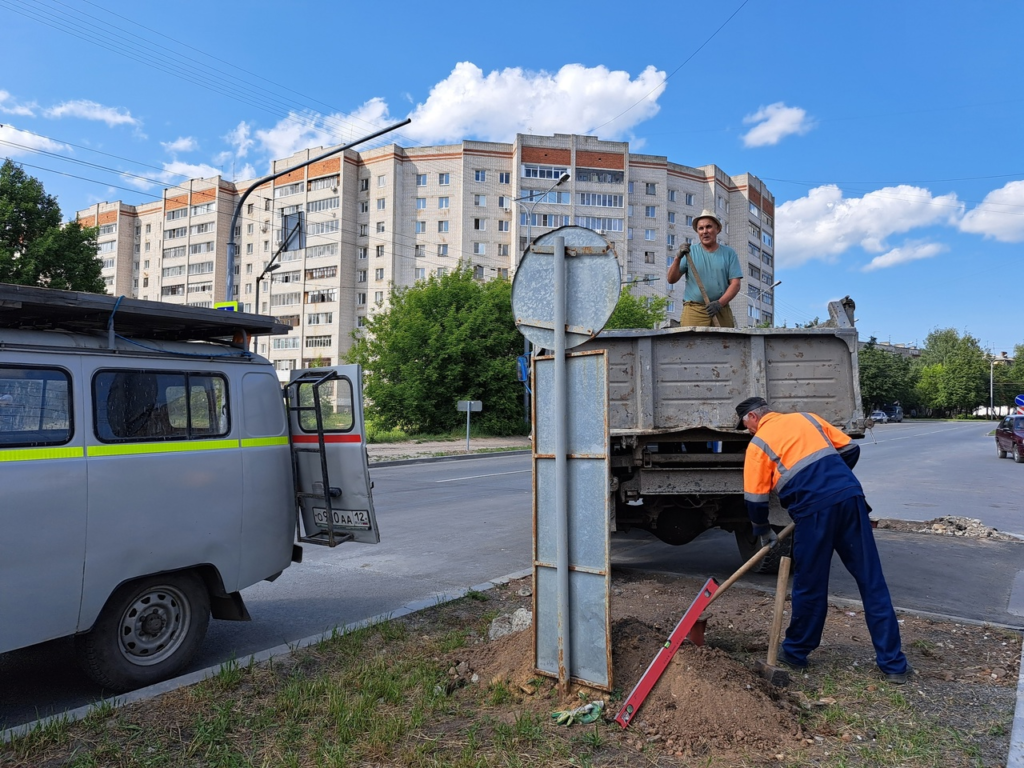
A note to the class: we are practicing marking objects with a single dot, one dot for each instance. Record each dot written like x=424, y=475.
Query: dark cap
x=748, y=405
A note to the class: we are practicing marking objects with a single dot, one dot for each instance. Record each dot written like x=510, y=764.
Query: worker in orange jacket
x=810, y=462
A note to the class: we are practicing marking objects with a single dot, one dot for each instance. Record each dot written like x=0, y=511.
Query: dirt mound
x=705, y=701
x=948, y=525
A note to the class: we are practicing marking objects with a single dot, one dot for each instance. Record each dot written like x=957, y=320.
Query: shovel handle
x=780, y=605
x=700, y=284
x=749, y=564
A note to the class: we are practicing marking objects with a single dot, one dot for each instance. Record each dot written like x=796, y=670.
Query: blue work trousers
x=844, y=528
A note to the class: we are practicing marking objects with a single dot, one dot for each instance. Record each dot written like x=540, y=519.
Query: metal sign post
x=564, y=291
x=469, y=406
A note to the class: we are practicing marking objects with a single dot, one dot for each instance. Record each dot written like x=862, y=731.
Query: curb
x=453, y=457
x=152, y=691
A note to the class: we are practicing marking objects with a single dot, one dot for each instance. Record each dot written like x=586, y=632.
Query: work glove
x=714, y=307
x=684, y=251
x=769, y=539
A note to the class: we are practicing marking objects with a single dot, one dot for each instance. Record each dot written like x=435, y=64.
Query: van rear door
x=329, y=438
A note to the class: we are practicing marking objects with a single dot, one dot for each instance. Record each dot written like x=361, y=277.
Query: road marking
x=474, y=477
x=921, y=434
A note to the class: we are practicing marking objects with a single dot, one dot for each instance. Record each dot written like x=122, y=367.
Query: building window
x=326, y=182
x=317, y=341
x=107, y=247
x=380, y=227
x=421, y=179
x=421, y=273
x=504, y=225
x=362, y=252
x=503, y=273
x=201, y=229
x=321, y=273
x=671, y=195
x=321, y=295
x=629, y=233
x=361, y=276
x=319, y=318
x=442, y=249
x=606, y=201
x=442, y=226
x=378, y=274
x=364, y=185
x=671, y=241
x=766, y=239
x=361, y=297
x=248, y=208
x=443, y=179
x=364, y=230
x=288, y=189
x=599, y=223
x=379, y=250
x=419, y=251
x=378, y=297
x=421, y=227
x=177, y=213
x=754, y=272
x=754, y=211
x=382, y=181
x=480, y=249
x=442, y=202
x=651, y=189
x=648, y=257
x=319, y=251
x=503, y=249
x=689, y=221
x=504, y=177
x=315, y=206
x=442, y=271
x=689, y=198
x=480, y=201
x=360, y=321
x=671, y=217
x=629, y=188
x=648, y=234
x=108, y=229
x=171, y=234
x=421, y=203
x=480, y=224
x=650, y=211
x=543, y=171
x=364, y=206
x=480, y=176
x=199, y=210
x=478, y=272
x=381, y=203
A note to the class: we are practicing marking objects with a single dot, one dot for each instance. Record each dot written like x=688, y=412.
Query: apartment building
x=338, y=235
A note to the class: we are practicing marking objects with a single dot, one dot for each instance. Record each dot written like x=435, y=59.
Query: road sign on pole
x=1019, y=402
x=469, y=406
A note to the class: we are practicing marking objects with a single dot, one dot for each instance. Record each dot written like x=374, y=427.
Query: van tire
x=122, y=653
x=749, y=545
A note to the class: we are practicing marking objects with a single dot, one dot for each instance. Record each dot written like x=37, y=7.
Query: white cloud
x=303, y=130
x=824, y=224
x=181, y=144
x=774, y=123
x=25, y=141
x=9, y=107
x=909, y=251
x=1000, y=215
x=576, y=99
x=238, y=138
x=90, y=110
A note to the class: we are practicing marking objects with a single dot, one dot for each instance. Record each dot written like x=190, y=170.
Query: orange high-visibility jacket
x=804, y=458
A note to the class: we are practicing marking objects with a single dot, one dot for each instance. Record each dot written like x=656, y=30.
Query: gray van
x=151, y=467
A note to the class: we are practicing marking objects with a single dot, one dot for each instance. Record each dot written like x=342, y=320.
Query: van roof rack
x=30, y=307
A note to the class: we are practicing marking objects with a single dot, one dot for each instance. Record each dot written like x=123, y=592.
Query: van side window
x=35, y=406
x=159, y=405
x=335, y=402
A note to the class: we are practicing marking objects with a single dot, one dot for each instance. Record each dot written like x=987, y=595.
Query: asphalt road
x=451, y=524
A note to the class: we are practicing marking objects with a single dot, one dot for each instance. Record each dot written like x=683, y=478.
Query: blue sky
x=890, y=133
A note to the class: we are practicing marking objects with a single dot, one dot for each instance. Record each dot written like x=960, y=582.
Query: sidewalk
x=455, y=447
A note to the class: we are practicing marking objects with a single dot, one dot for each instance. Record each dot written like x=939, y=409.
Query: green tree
x=443, y=340
x=35, y=247
x=633, y=311
x=885, y=377
x=953, y=372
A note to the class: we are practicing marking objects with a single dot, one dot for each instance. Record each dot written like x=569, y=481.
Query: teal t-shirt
x=715, y=270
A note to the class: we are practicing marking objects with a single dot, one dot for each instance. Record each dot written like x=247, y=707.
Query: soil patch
x=949, y=525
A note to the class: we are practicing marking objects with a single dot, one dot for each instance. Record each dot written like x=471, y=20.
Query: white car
x=879, y=417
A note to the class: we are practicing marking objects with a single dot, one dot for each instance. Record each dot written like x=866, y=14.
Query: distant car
x=1010, y=438
x=894, y=412
x=879, y=417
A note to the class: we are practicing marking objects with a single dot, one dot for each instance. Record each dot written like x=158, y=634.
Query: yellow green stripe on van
x=176, y=446
x=260, y=442
x=40, y=454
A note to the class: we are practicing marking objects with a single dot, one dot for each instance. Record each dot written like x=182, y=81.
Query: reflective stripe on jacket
x=799, y=455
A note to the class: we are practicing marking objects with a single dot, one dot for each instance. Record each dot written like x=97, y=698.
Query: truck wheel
x=749, y=545
x=999, y=451
x=1017, y=455
x=148, y=631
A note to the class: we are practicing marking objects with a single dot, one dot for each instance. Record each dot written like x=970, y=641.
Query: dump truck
x=676, y=453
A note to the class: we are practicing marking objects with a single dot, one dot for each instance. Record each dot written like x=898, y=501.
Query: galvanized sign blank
x=586, y=424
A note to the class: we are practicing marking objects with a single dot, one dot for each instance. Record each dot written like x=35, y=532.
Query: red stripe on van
x=328, y=438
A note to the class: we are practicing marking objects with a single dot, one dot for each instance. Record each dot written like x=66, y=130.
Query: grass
x=376, y=434
x=382, y=695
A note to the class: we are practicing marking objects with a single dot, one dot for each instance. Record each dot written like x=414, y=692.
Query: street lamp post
x=991, y=385
x=529, y=239
x=761, y=291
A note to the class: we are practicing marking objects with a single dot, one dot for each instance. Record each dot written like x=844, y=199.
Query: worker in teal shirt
x=719, y=269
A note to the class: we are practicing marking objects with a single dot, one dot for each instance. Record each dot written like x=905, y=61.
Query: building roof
x=45, y=309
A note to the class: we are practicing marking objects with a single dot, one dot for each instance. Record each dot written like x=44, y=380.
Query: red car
x=1010, y=438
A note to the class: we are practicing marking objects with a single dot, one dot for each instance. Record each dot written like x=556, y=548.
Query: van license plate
x=343, y=518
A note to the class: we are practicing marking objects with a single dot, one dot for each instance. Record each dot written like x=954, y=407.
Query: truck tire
x=749, y=545
x=148, y=631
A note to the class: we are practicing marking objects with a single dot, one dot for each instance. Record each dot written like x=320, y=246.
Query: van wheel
x=1017, y=455
x=1000, y=452
x=749, y=545
x=148, y=631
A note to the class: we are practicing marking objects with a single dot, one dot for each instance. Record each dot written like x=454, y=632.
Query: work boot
x=789, y=661
x=898, y=678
